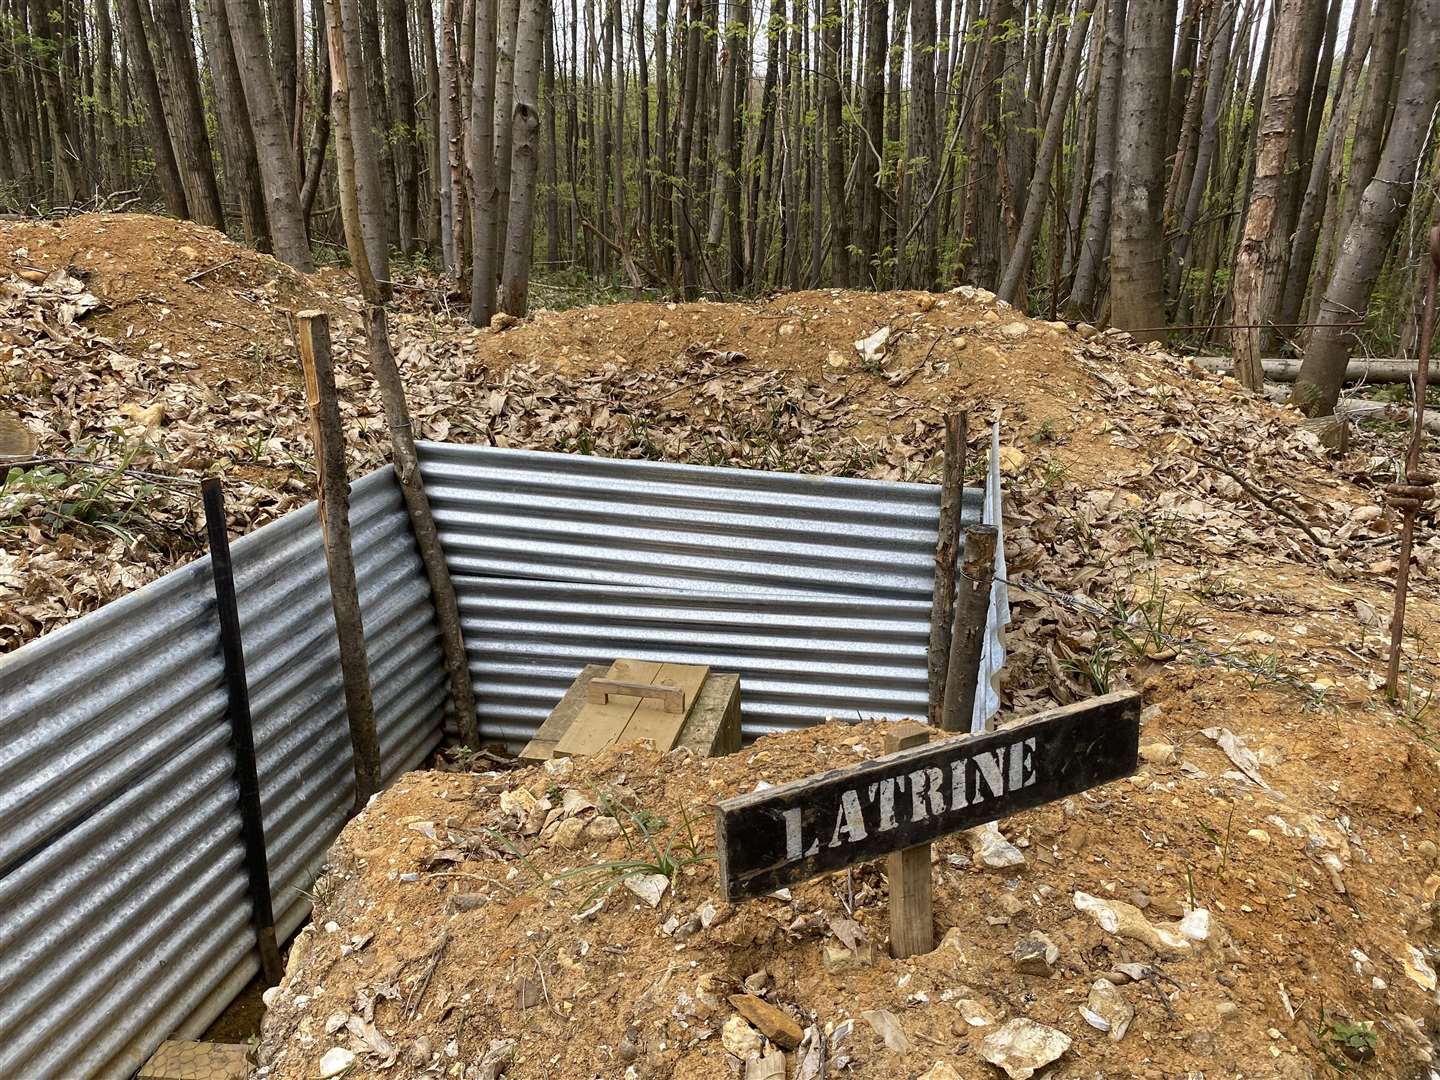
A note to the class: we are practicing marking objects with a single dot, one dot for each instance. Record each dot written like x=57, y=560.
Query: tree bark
x=484, y=199
x=142, y=67
x=1095, y=238
x=1261, y=241
x=188, y=128
x=870, y=156
x=405, y=127
x=529, y=35
x=1035, y=202
x=64, y=156
x=1367, y=241
x=369, y=182
x=272, y=140
x=835, y=135
x=1137, y=241
x=237, y=141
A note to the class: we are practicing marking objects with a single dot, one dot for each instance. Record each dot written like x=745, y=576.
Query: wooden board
x=598, y=725
x=788, y=834
x=712, y=726
x=181, y=1059
x=624, y=718
x=650, y=721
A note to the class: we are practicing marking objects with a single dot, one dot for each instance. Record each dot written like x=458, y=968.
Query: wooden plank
x=712, y=727
x=801, y=830
x=654, y=722
x=671, y=698
x=597, y=726
x=542, y=746
x=912, y=920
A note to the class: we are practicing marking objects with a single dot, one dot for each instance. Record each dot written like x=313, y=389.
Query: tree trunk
x=369, y=181
x=1010, y=284
x=65, y=158
x=272, y=141
x=515, y=283
x=1137, y=244
x=320, y=134
x=870, y=156
x=188, y=129
x=137, y=50
x=404, y=126
x=1367, y=241
x=237, y=141
x=105, y=85
x=507, y=13
x=1261, y=240
x=1312, y=206
x=484, y=205
x=1102, y=180
x=829, y=46
x=1208, y=142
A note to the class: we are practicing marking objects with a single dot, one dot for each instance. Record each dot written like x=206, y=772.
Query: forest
x=1245, y=176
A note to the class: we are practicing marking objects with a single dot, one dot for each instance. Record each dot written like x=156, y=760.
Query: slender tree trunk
x=1107, y=118
x=1312, y=206
x=272, y=140
x=872, y=137
x=829, y=45
x=515, y=286
x=137, y=50
x=508, y=14
x=105, y=97
x=1013, y=279
x=369, y=180
x=237, y=141
x=1137, y=244
x=1208, y=141
x=1260, y=241
x=188, y=129
x=1382, y=207
x=320, y=134
x=484, y=199
x=65, y=157
x=405, y=126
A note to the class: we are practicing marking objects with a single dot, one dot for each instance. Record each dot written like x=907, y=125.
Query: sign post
x=896, y=805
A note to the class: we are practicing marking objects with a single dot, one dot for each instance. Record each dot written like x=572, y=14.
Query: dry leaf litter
x=1258, y=901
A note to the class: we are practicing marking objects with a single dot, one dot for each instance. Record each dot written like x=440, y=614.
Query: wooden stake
x=952, y=489
x=967, y=638
x=334, y=495
x=912, y=923
x=422, y=522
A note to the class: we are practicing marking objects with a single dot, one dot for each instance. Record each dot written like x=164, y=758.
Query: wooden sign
x=797, y=831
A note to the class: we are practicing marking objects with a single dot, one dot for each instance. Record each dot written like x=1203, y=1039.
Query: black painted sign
x=801, y=830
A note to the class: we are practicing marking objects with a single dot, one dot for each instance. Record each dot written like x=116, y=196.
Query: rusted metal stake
x=1418, y=487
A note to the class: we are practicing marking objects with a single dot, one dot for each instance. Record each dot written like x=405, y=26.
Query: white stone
x=648, y=887
x=335, y=1062
x=1107, y=1004
x=739, y=1038
x=1022, y=1047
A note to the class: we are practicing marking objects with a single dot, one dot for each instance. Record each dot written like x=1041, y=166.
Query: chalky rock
x=1107, y=1005
x=992, y=850
x=570, y=833
x=739, y=1038
x=940, y=1071
x=335, y=1062
x=1014, y=330
x=1022, y=1047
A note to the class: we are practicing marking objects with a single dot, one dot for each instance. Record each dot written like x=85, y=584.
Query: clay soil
x=1147, y=549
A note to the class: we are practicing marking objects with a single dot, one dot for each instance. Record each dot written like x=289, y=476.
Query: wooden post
x=334, y=496
x=967, y=639
x=912, y=924
x=952, y=489
x=422, y=523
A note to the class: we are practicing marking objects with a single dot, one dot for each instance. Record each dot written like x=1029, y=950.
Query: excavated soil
x=1164, y=531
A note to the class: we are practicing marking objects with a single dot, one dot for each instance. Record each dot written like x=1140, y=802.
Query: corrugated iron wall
x=816, y=590
x=124, y=911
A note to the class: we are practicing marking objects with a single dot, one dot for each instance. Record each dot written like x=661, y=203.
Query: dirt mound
x=183, y=286
x=474, y=917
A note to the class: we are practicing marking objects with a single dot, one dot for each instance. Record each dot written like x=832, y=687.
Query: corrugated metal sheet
x=123, y=902
x=816, y=590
